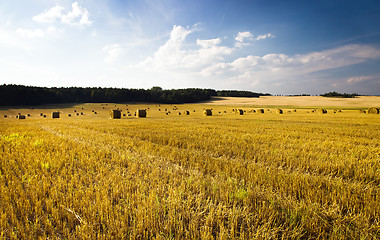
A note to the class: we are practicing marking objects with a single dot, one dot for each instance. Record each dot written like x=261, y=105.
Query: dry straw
x=373, y=110
x=115, y=114
x=207, y=112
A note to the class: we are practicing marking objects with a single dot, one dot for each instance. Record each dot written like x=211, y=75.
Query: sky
x=269, y=46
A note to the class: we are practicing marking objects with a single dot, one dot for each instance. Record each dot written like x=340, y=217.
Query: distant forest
x=340, y=95
x=17, y=95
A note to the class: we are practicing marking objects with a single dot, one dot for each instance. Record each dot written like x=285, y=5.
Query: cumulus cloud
x=173, y=55
x=78, y=16
x=243, y=35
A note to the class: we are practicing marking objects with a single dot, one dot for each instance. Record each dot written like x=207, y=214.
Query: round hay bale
x=362, y=111
x=186, y=112
x=69, y=115
x=239, y=111
x=123, y=114
x=81, y=113
x=5, y=116
x=167, y=113
x=44, y=116
x=279, y=111
x=75, y=110
x=260, y=111
x=28, y=115
x=294, y=110
x=41, y=114
x=141, y=113
x=55, y=115
x=339, y=110
x=115, y=114
x=207, y=112
x=322, y=111
x=21, y=117
x=179, y=113
x=373, y=110
x=95, y=113
x=77, y=114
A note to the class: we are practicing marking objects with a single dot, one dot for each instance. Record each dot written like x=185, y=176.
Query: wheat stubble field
x=296, y=175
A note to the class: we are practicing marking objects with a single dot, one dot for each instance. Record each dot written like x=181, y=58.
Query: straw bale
x=186, y=112
x=55, y=115
x=322, y=111
x=279, y=111
x=239, y=111
x=373, y=110
x=21, y=117
x=5, y=116
x=69, y=115
x=260, y=111
x=115, y=114
x=207, y=112
x=362, y=111
x=141, y=113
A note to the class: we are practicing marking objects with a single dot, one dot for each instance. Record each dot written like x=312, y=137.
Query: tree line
x=16, y=95
x=340, y=95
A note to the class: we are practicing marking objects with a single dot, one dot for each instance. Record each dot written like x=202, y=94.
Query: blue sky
x=279, y=47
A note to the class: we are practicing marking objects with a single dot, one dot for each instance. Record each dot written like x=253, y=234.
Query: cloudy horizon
x=274, y=47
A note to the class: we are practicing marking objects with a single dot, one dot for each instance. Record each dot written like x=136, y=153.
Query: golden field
x=297, y=175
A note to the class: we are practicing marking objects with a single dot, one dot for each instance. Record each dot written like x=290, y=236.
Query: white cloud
x=174, y=56
x=78, y=16
x=243, y=35
x=113, y=51
x=209, y=43
x=265, y=36
x=49, y=16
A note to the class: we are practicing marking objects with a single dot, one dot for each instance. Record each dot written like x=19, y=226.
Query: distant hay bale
x=5, y=116
x=294, y=110
x=28, y=115
x=69, y=115
x=55, y=115
x=279, y=111
x=322, y=111
x=41, y=114
x=225, y=111
x=260, y=111
x=339, y=110
x=81, y=113
x=254, y=110
x=123, y=114
x=44, y=116
x=362, y=111
x=115, y=114
x=75, y=110
x=77, y=114
x=21, y=117
x=207, y=112
x=186, y=112
x=193, y=110
x=167, y=113
x=373, y=110
x=239, y=111
x=129, y=115
x=141, y=113
x=179, y=113
x=95, y=113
